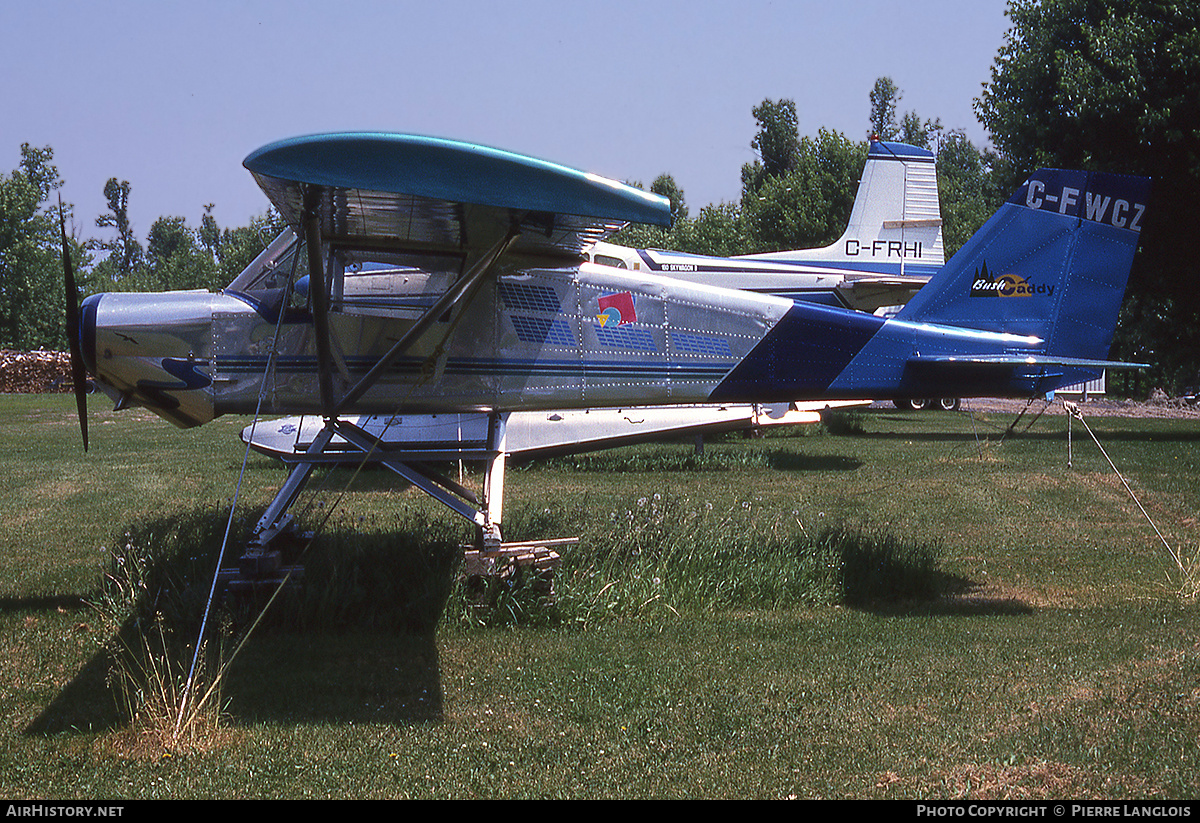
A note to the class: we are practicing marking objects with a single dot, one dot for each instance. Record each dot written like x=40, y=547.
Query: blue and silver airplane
x=427, y=276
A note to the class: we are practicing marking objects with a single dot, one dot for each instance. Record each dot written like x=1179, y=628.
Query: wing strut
x=465, y=285
x=439, y=488
x=320, y=299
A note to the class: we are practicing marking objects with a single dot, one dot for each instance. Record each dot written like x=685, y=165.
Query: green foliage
x=776, y=142
x=910, y=129
x=716, y=231
x=237, y=247
x=125, y=253
x=31, y=292
x=1111, y=86
x=174, y=257
x=884, y=99
x=665, y=185
x=809, y=204
x=800, y=191
x=972, y=185
x=178, y=257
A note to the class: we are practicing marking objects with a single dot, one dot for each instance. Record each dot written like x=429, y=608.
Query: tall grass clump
x=843, y=422
x=659, y=458
x=660, y=552
x=1189, y=574
x=151, y=602
x=400, y=573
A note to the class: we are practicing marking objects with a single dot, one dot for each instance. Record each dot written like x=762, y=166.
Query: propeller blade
x=78, y=371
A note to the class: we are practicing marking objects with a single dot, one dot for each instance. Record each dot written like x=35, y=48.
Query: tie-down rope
x=1073, y=412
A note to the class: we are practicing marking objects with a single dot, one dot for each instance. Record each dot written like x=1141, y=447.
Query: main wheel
x=948, y=403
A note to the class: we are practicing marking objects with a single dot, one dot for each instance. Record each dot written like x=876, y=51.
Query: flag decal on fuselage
x=616, y=309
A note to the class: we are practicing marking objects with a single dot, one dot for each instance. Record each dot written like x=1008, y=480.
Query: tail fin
x=1052, y=263
x=895, y=226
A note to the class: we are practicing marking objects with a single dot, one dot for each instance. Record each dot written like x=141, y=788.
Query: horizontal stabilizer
x=1015, y=374
x=1027, y=360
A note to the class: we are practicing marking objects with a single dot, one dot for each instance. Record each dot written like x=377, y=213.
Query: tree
x=210, y=233
x=238, y=247
x=175, y=260
x=125, y=252
x=665, y=185
x=1112, y=85
x=31, y=292
x=972, y=185
x=885, y=103
x=716, y=231
x=776, y=142
x=885, y=98
x=926, y=134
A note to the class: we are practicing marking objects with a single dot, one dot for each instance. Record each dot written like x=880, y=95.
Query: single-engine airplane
x=892, y=243
x=428, y=276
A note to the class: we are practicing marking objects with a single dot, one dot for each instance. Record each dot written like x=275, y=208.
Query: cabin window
x=361, y=281
x=607, y=260
x=273, y=266
x=393, y=284
x=264, y=283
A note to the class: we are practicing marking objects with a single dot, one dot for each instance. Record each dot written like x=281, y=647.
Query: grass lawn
x=700, y=646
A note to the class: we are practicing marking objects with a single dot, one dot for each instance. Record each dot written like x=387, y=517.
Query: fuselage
x=540, y=338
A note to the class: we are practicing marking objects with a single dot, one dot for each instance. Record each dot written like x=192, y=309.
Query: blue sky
x=171, y=96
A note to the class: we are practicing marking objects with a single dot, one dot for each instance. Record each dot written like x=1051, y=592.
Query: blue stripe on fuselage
x=805, y=352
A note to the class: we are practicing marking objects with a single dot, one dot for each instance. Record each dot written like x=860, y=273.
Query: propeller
x=78, y=370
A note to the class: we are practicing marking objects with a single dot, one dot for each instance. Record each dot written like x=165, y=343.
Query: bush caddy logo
x=1006, y=285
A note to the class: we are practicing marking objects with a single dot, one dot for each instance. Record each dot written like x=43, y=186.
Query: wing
x=434, y=194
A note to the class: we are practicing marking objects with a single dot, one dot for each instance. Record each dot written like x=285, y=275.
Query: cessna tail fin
x=895, y=226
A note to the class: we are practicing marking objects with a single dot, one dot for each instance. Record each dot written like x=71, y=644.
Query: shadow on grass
x=65, y=602
x=356, y=642
x=957, y=596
